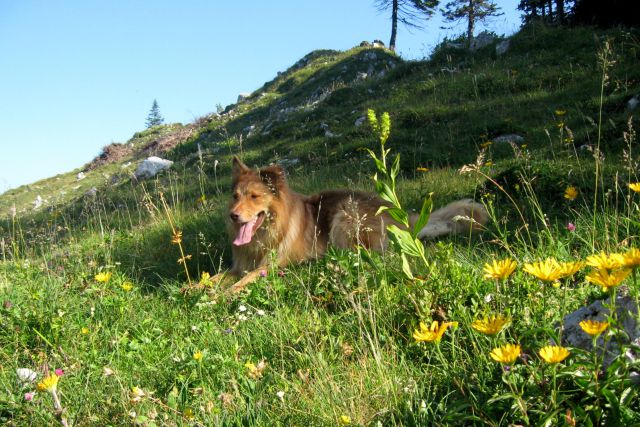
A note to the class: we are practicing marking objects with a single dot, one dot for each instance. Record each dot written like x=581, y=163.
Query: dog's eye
x=255, y=196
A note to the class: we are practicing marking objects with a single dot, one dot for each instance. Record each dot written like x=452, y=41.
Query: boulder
x=632, y=103
x=243, y=97
x=502, y=47
x=360, y=121
x=150, y=167
x=80, y=176
x=508, y=138
x=627, y=312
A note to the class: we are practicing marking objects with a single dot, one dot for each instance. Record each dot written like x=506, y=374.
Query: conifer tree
x=473, y=11
x=154, y=118
x=407, y=12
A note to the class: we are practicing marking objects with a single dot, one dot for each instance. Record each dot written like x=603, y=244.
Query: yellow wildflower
x=188, y=414
x=635, y=186
x=506, y=354
x=570, y=193
x=102, y=277
x=126, y=286
x=608, y=279
x=491, y=325
x=197, y=356
x=84, y=330
x=560, y=113
x=631, y=259
x=553, y=353
x=344, y=420
x=205, y=279
x=433, y=333
x=604, y=261
x=547, y=270
x=49, y=383
x=499, y=270
x=422, y=169
x=568, y=269
x=255, y=371
x=593, y=327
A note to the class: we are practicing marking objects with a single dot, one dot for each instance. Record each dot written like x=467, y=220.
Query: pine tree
x=154, y=118
x=473, y=11
x=407, y=12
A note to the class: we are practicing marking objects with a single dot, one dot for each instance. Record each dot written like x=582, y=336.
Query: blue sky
x=76, y=75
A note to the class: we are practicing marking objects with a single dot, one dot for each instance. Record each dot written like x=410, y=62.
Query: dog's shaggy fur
x=265, y=216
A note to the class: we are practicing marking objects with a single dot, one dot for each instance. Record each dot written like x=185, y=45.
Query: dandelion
x=547, y=270
x=127, y=286
x=491, y=325
x=188, y=414
x=433, y=333
x=344, y=420
x=604, y=261
x=607, y=279
x=631, y=259
x=553, y=353
x=506, y=354
x=197, y=356
x=593, y=327
x=635, y=186
x=102, y=277
x=49, y=383
x=84, y=330
x=499, y=270
x=570, y=193
x=568, y=269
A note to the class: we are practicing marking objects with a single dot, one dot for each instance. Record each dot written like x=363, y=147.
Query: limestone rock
x=150, y=167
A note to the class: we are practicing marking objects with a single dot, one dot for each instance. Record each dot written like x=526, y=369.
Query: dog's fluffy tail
x=460, y=216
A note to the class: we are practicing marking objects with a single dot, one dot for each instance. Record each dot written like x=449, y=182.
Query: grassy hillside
x=332, y=342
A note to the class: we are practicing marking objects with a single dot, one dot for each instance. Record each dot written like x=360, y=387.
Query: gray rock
x=508, y=138
x=502, y=47
x=150, y=167
x=481, y=40
x=80, y=176
x=38, y=202
x=91, y=192
x=627, y=312
x=243, y=97
x=360, y=121
x=360, y=76
x=632, y=104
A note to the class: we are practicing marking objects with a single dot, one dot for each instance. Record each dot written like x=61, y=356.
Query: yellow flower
x=197, y=356
x=486, y=144
x=631, y=259
x=506, y=354
x=603, y=261
x=433, y=333
x=102, y=277
x=499, y=270
x=344, y=420
x=560, y=112
x=49, y=383
x=176, y=238
x=205, y=279
x=608, y=279
x=84, y=330
x=491, y=325
x=255, y=372
x=422, y=169
x=567, y=269
x=547, y=270
x=127, y=286
x=553, y=353
x=635, y=186
x=593, y=327
x=570, y=193
x=188, y=414
x=489, y=163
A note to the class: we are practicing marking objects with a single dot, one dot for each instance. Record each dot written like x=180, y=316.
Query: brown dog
x=265, y=216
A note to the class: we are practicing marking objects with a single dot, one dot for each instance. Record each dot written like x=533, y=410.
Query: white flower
x=242, y=309
x=280, y=395
x=26, y=375
x=260, y=313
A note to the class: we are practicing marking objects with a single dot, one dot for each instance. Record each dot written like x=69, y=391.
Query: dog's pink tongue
x=245, y=233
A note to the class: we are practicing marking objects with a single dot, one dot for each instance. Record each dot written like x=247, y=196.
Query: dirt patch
x=167, y=142
x=110, y=154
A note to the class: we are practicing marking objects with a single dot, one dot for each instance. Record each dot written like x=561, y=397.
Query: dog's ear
x=238, y=167
x=273, y=177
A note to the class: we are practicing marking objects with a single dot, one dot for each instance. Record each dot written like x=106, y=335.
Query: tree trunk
x=394, y=25
x=471, y=22
x=560, y=11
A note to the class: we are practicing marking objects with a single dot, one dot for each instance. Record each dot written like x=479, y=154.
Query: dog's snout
x=234, y=216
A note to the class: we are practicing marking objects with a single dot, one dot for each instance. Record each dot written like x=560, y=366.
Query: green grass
x=336, y=335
